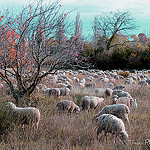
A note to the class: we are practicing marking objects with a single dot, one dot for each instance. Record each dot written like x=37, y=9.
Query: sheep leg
x=88, y=107
x=96, y=106
x=124, y=141
x=115, y=137
x=70, y=110
x=105, y=135
x=127, y=120
x=98, y=131
x=37, y=124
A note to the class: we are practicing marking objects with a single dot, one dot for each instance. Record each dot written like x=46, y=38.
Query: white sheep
x=121, y=93
x=75, y=80
x=111, y=124
x=101, y=92
x=121, y=100
x=80, y=85
x=88, y=102
x=119, y=110
x=42, y=87
x=67, y=105
x=83, y=81
x=143, y=82
x=27, y=115
x=64, y=91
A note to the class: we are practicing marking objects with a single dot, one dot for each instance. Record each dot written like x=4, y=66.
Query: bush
x=6, y=124
x=125, y=74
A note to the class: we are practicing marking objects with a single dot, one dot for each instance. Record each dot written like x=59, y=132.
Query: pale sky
x=140, y=9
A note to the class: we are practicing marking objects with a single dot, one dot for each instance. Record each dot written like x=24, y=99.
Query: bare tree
x=29, y=47
x=112, y=23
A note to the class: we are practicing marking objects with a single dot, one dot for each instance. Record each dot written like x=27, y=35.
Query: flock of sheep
x=110, y=119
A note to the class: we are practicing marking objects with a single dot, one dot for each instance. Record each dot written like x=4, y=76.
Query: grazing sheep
x=53, y=91
x=80, y=85
x=130, y=81
x=70, y=87
x=108, y=92
x=42, y=87
x=111, y=124
x=90, y=85
x=121, y=93
x=75, y=80
x=121, y=100
x=143, y=82
x=109, y=85
x=64, y=91
x=119, y=87
x=119, y=110
x=101, y=92
x=67, y=105
x=83, y=81
x=27, y=115
x=88, y=102
x=98, y=92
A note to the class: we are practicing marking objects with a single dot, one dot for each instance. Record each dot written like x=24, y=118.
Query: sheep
x=70, y=87
x=68, y=105
x=80, y=85
x=121, y=93
x=101, y=92
x=42, y=87
x=109, y=85
x=27, y=115
x=64, y=91
x=90, y=85
x=98, y=92
x=121, y=100
x=75, y=80
x=88, y=102
x=108, y=92
x=143, y=82
x=119, y=87
x=83, y=81
x=53, y=91
x=130, y=81
x=119, y=110
x=111, y=124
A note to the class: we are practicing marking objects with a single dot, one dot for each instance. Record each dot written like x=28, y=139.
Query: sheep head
x=10, y=105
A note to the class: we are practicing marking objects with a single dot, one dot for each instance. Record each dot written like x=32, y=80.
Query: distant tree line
x=111, y=49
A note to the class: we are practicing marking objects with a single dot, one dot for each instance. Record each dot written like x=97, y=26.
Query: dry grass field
x=75, y=131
